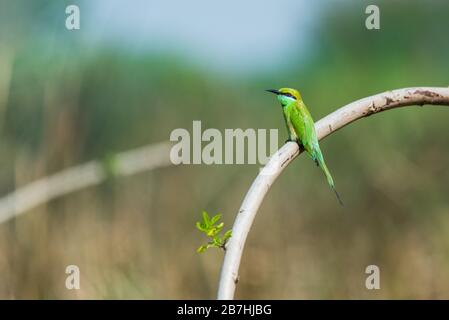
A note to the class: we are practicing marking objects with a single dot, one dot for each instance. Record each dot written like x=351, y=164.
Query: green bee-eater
x=301, y=128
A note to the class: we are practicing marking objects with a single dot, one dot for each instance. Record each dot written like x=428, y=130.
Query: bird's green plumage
x=301, y=128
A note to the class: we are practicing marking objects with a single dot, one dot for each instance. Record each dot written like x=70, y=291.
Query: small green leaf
x=219, y=227
x=202, y=249
x=227, y=235
x=215, y=219
x=212, y=232
x=206, y=219
x=200, y=226
x=216, y=242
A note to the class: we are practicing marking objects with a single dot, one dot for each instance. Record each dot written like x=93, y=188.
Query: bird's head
x=286, y=95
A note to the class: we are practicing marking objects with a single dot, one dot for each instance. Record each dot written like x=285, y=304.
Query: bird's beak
x=273, y=91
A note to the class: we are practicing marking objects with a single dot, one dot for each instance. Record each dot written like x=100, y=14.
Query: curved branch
x=329, y=124
x=82, y=176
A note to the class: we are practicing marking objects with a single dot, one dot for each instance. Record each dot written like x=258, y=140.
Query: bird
x=301, y=129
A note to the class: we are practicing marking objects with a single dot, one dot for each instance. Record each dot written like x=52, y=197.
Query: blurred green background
x=137, y=70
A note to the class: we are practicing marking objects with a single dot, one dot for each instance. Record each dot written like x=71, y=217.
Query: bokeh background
x=138, y=69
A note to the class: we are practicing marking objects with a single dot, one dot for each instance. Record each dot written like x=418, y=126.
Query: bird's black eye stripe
x=289, y=95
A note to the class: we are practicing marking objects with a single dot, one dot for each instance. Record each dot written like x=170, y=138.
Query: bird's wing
x=312, y=138
x=307, y=126
x=297, y=120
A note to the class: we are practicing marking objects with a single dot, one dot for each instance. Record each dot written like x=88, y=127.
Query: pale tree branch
x=279, y=161
x=82, y=176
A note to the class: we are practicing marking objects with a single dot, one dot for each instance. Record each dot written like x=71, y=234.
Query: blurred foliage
x=62, y=103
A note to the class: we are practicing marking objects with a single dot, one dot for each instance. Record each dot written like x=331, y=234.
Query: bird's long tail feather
x=320, y=161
